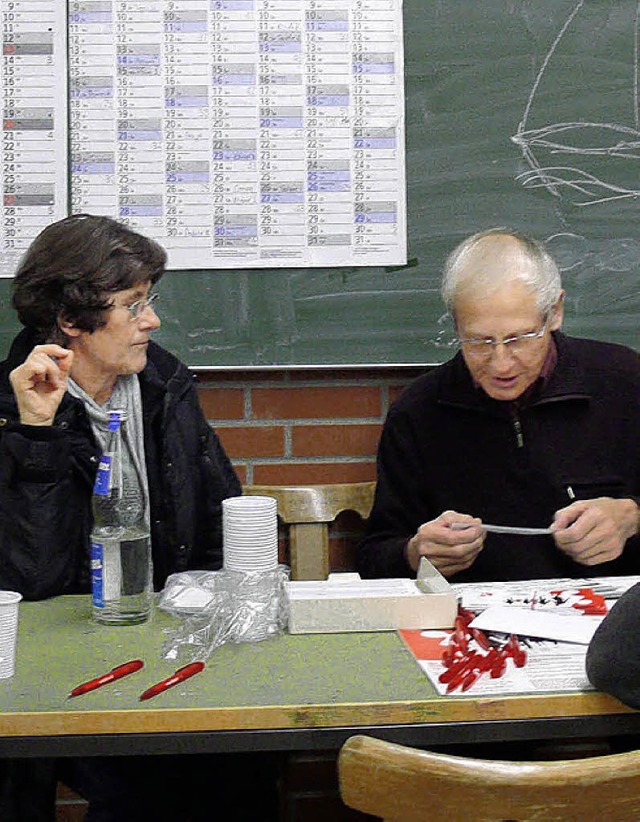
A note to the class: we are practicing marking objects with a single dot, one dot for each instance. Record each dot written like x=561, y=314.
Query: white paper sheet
x=562, y=627
x=477, y=596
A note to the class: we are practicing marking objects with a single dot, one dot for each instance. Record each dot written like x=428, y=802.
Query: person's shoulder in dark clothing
x=613, y=656
x=421, y=390
x=164, y=364
x=599, y=357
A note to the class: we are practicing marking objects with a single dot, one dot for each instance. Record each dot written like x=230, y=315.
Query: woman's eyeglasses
x=137, y=309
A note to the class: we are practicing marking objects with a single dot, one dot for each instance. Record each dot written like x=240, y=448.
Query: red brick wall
x=301, y=427
x=304, y=427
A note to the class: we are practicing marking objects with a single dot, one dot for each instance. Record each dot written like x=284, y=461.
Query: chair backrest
x=307, y=510
x=406, y=785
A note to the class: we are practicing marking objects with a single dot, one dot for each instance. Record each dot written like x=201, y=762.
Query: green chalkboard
x=518, y=112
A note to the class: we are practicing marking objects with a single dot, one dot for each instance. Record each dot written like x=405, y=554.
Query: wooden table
x=288, y=693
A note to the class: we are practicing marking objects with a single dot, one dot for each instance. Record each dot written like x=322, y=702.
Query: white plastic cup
x=9, y=601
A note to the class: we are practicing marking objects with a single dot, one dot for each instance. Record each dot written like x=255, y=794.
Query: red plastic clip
x=449, y=655
x=517, y=654
x=460, y=666
x=469, y=679
x=481, y=638
x=499, y=666
x=460, y=676
x=463, y=667
x=460, y=640
x=467, y=615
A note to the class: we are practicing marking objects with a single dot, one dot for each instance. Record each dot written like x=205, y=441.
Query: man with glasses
x=524, y=427
x=83, y=294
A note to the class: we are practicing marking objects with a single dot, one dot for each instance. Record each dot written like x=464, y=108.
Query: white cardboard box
x=345, y=602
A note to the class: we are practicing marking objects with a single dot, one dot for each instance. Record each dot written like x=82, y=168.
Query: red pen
x=180, y=675
x=116, y=673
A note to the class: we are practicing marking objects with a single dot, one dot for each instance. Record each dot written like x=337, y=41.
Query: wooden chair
x=308, y=510
x=408, y=785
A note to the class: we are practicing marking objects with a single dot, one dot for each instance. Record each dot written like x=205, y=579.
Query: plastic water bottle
x=120, y=542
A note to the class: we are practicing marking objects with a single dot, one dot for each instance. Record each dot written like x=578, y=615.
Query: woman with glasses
x=524, y=427
x=83, y=292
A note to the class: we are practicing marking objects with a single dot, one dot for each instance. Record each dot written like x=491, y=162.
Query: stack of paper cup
x=8, y=632
x=250, y=533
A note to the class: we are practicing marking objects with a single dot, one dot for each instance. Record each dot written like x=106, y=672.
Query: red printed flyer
x=551, y=666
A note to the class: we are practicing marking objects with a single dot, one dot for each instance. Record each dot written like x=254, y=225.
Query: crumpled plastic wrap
x=223, y=606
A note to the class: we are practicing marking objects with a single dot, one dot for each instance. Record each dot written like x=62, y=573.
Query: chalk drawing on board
x=445, y=337
x=615, y=141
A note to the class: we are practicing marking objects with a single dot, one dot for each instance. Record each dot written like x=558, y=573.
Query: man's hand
x=595, y=530
x=449, y=550
x=40, y=382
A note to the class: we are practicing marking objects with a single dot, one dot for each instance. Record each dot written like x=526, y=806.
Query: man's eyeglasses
x=137, y=309
x=516, y=344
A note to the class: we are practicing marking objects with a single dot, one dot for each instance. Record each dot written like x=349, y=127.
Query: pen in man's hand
x=180, y=675
x=116, y=673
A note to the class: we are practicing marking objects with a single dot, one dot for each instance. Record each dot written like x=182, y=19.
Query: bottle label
x=114, y=420
x=96, y=574
x=106, y=571
x=103, y=477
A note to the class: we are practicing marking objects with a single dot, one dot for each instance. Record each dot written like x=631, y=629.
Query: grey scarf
x=125, y=396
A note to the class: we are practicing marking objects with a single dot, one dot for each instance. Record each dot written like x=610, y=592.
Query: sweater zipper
x=517, y=426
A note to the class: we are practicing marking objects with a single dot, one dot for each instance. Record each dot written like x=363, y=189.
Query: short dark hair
x=72, y=265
